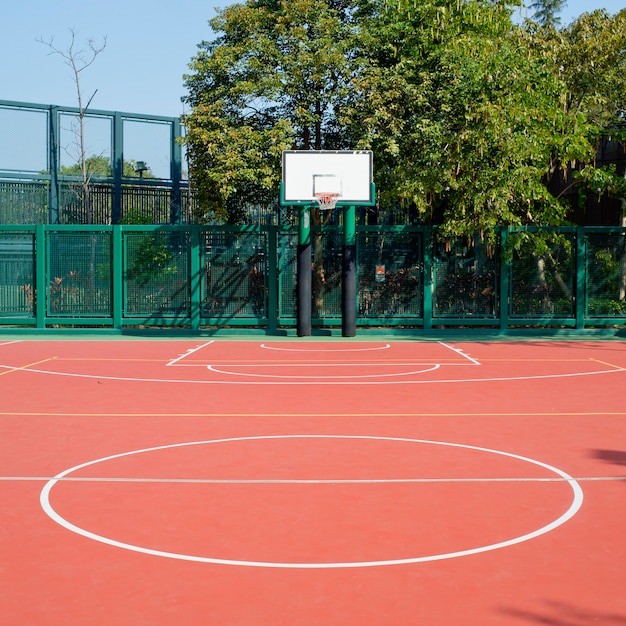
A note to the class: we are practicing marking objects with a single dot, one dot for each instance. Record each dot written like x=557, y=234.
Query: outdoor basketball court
x=311, y=482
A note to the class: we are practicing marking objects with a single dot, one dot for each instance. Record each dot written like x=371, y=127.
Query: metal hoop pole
x=348, y=278
x=303, y=274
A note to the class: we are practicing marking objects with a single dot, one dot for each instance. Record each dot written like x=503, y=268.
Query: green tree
x=592, y=60
x=546, y=12
x=465, y=112
x=593, y=57
x=471, y=117
x=276, y=77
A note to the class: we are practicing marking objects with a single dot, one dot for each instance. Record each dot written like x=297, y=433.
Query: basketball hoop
x=327, y=200
x=309, y=176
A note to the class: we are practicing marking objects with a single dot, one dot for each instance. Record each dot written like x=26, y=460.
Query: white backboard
x=310, y=172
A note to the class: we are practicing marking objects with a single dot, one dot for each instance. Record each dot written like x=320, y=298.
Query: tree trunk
x=319, y=277
x=621, y=283
x=567, y=292
x=318, y=125
x=622, y=261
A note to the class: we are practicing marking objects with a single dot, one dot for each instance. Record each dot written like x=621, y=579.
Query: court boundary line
x=398, y=379
x=188, y=353
x=315, y=382
x=223, y=368
x=310, y=481
x=459, y=351
x=331, y=414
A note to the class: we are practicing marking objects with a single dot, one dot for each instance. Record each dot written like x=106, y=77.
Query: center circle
x=557, y=475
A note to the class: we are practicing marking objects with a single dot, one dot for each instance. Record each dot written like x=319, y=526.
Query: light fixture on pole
x=141, y=167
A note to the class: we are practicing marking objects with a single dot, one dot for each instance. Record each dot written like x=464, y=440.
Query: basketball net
x=327, y=200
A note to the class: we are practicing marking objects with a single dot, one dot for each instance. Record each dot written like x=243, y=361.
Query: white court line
x=324, y=382
x=8, y=343
x=576, y=503
x=385, y=347
x=307, y=481
x=189, y=353
x=459, y=352
x=214, y=368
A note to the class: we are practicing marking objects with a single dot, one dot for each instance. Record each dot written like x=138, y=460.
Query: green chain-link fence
x=195, y=276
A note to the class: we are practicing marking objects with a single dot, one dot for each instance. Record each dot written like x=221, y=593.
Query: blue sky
x=149, y=47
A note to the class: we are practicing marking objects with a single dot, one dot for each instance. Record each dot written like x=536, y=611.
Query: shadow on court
x=615, y=457
x=565, y=614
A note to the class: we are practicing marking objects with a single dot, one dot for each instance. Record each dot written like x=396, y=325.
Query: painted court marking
x=387, y=346
x=577, y=500
x=396, y=381
x=236, y=370
x=233, y=375
x=459, y=352
x=222, y=370
x=187, y=353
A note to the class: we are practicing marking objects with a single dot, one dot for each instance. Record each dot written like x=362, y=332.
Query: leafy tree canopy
x=466, y=114
x=469, y=115
x=592, y=58
x=273, y=79
x=547, y=11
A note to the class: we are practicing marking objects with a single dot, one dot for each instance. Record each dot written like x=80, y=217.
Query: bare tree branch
x=78, y=60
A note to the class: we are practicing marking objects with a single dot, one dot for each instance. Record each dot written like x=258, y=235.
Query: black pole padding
x=348, y=292
x=303, y=290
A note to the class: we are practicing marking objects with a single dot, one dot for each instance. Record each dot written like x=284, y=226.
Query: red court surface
x=306, y=482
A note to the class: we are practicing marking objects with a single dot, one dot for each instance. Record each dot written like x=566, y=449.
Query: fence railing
x=211, y=276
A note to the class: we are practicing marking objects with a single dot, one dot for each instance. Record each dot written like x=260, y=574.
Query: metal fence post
x=41, y=281
x=175, y=173
x=118, y=168
x=581, y=276
x=427, y=313
x=272, y=285
x=195, y=276
x=53, y=165
x=118, y=274
x=505, y=279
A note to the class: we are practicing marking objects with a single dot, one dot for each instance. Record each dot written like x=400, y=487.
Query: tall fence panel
x=17, y=275
x=234, y=273
x=202, y=276
x=147, y=205
x=390, y=275
x=157, y=275
x=44, y=179
x=543, y=274
x=606, y=271
x=85, y=205
x=79, y=274
x=286, y=272
x=466, y=280
x=24, y=202
x=326, y=266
